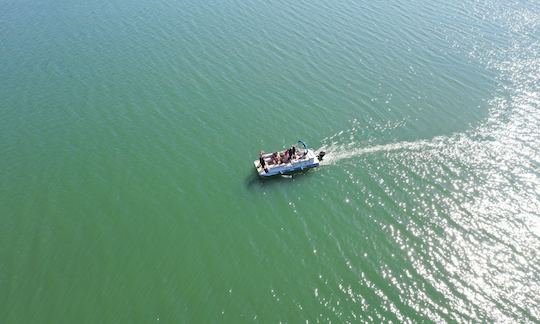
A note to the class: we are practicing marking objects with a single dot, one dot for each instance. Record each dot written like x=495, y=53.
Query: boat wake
x=338, y=152
x=346, y=145
x=471, y=198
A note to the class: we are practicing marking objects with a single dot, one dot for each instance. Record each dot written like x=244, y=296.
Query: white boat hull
x=308, y=161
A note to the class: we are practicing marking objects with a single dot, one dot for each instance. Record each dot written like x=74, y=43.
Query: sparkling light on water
x=480, y=249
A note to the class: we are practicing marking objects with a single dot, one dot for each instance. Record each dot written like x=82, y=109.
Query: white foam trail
x=336, y=153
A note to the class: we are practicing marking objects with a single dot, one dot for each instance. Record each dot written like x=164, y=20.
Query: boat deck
x=309, y=160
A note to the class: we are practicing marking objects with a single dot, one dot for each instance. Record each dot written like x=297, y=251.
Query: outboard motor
x=321, y=155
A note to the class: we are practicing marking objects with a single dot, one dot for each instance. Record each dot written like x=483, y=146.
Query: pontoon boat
x=298, y=158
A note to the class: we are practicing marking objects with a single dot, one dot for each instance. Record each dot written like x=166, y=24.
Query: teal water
x=128, y=131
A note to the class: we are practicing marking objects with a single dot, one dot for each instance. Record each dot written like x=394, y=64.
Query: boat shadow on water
x=253, y=180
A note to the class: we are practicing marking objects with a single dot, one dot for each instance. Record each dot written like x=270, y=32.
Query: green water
x=128, y=131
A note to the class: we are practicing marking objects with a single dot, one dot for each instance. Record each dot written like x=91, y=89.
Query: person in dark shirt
x=292, y=151
x=262, y=162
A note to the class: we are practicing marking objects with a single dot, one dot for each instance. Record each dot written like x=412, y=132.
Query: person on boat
x=292, y=152
x=285, y=156
x=262, y=162
x=275, y=158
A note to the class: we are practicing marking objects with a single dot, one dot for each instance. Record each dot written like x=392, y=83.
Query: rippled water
x=474, y=194
x=128, y=130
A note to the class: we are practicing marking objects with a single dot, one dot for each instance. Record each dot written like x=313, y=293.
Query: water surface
x=128, y=131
